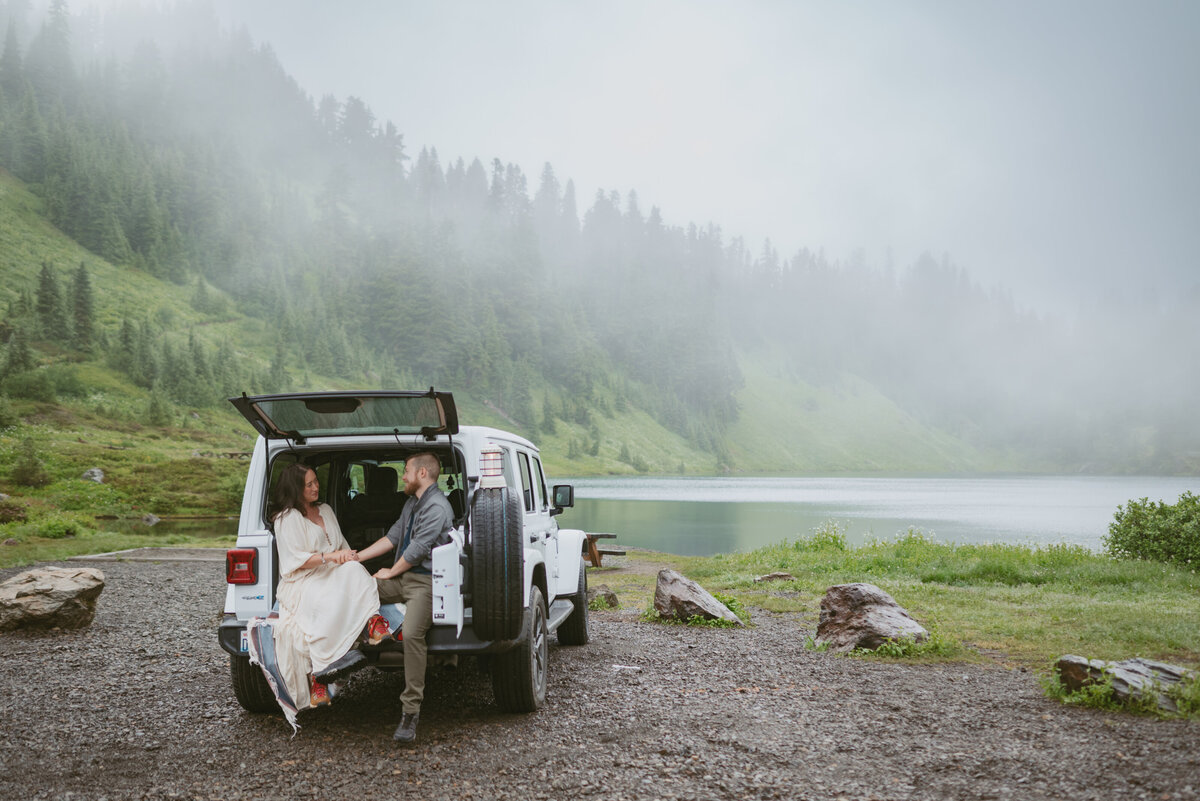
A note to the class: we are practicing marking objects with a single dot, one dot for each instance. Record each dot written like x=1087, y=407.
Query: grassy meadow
x=1019, y=605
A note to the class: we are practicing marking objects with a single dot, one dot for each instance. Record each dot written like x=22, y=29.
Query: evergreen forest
x=181, y=222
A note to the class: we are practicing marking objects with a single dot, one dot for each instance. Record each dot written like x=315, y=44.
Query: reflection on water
x=704, y=516
x=219, y=527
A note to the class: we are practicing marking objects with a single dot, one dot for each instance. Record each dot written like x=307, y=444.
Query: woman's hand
x=342, y=557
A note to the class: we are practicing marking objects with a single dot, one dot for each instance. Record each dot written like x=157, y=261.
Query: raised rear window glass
x=324, y=417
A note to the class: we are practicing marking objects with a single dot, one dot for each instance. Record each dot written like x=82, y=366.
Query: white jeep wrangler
x=507, y=578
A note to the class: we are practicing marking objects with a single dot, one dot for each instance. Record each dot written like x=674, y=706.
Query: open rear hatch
x=300, y=416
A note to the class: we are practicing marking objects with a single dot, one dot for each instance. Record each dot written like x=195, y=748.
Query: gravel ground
x=139, y=706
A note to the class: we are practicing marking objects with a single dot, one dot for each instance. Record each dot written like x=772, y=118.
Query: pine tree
x=48, y=62
x=11, y=76
x=19, y=358
x=158, y=410
x=28, y=142
x=83, y=306
x=49, y=306
x=279, y=379
x=29, y=470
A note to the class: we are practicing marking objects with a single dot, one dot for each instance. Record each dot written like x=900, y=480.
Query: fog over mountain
x=795, y=237
x=1046, y=147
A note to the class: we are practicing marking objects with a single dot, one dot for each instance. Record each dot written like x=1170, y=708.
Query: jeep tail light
x=491, y=467
x=241, y=566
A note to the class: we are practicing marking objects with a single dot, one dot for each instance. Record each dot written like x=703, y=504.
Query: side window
x=526, y=481
x=540, y=478
x=506, y=460
x=357, y=480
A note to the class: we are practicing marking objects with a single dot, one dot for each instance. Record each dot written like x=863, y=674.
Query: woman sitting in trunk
x=328, y=602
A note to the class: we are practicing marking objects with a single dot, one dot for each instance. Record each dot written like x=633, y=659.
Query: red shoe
x=318, y=694
x=378, y=630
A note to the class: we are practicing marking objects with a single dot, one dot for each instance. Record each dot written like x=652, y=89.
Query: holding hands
x=341, y=557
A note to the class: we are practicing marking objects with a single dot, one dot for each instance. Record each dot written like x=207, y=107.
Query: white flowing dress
x=322, y=610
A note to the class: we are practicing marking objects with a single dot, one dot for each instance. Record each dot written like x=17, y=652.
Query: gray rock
x=50, y=597
x=603, y=591
x=94, y=474
x=12, y=541
x=1132, y=679
x=676, y=596
x=150, y=518
x=863, y=616
x=775, y=577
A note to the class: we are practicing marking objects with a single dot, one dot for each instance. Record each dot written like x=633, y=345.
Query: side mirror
x=564, y=496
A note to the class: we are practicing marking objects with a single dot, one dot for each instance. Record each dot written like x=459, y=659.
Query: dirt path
x=139, y=706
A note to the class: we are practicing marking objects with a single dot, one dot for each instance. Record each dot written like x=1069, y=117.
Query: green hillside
x=180, y=223
x=176, y=464
x=789, y=426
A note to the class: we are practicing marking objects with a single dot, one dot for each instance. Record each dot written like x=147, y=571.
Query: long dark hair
x=289, y=490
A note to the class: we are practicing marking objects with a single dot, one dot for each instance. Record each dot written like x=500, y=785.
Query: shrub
x=8, y=417
x=57, y=525
x=829, y=536
x=32, y=385
x=1160, y=532
x=11, y=512
x=29, y=470
x=935, y=645
x=66, y=381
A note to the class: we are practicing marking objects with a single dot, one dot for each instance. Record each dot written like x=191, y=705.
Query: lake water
x=705, y=516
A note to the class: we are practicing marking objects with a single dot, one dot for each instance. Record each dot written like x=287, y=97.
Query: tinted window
x=541, y=480
x=526, y=481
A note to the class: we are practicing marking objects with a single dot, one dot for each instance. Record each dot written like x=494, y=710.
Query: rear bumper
x=440, y=639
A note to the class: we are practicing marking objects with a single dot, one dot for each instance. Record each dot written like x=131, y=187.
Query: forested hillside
x=181, y=217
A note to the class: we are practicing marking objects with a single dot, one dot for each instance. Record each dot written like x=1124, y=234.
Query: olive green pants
x=415, y=591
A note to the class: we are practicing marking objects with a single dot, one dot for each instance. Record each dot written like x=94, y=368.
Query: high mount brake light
x=491, y=467
x=241, y=566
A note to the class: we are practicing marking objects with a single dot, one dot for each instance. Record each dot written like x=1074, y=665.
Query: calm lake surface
x=705, y=516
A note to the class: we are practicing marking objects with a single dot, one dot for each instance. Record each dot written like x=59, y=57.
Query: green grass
x=1101, y=695
x=38, y=549
x=1018, y=604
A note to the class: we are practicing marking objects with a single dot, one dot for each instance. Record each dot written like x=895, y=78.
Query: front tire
x=574, y=630
x=250, y=686
x=519, y=675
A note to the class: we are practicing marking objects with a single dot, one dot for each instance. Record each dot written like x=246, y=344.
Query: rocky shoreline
x=138, y=706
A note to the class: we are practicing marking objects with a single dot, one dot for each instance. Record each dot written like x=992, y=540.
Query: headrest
x=382, y=481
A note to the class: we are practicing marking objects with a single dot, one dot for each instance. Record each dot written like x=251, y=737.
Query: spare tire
x=497, y=564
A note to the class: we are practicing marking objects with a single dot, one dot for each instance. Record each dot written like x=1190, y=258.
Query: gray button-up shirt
x=431, y=517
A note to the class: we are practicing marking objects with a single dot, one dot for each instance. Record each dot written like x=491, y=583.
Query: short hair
x=430, y=462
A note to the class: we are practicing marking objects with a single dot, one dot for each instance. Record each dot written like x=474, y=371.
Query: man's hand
x=387, y=572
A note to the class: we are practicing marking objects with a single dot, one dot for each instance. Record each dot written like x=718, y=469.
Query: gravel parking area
x=139, y=707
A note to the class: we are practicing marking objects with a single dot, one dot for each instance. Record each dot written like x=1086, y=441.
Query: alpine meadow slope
x=181, y=222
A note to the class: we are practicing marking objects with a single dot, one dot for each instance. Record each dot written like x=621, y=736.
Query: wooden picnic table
x=594, y=552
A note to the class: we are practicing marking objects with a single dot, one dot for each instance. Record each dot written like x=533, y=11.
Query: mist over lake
x=705, y=516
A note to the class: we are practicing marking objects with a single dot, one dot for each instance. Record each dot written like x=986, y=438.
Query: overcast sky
x=1045, y=146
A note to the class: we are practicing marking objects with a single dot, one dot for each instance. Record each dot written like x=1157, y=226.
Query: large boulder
x=863, y=616
x=50, y=597
x=1131, y=679
x=678, y=597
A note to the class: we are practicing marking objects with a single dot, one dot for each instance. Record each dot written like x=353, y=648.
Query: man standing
x=425, y=518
